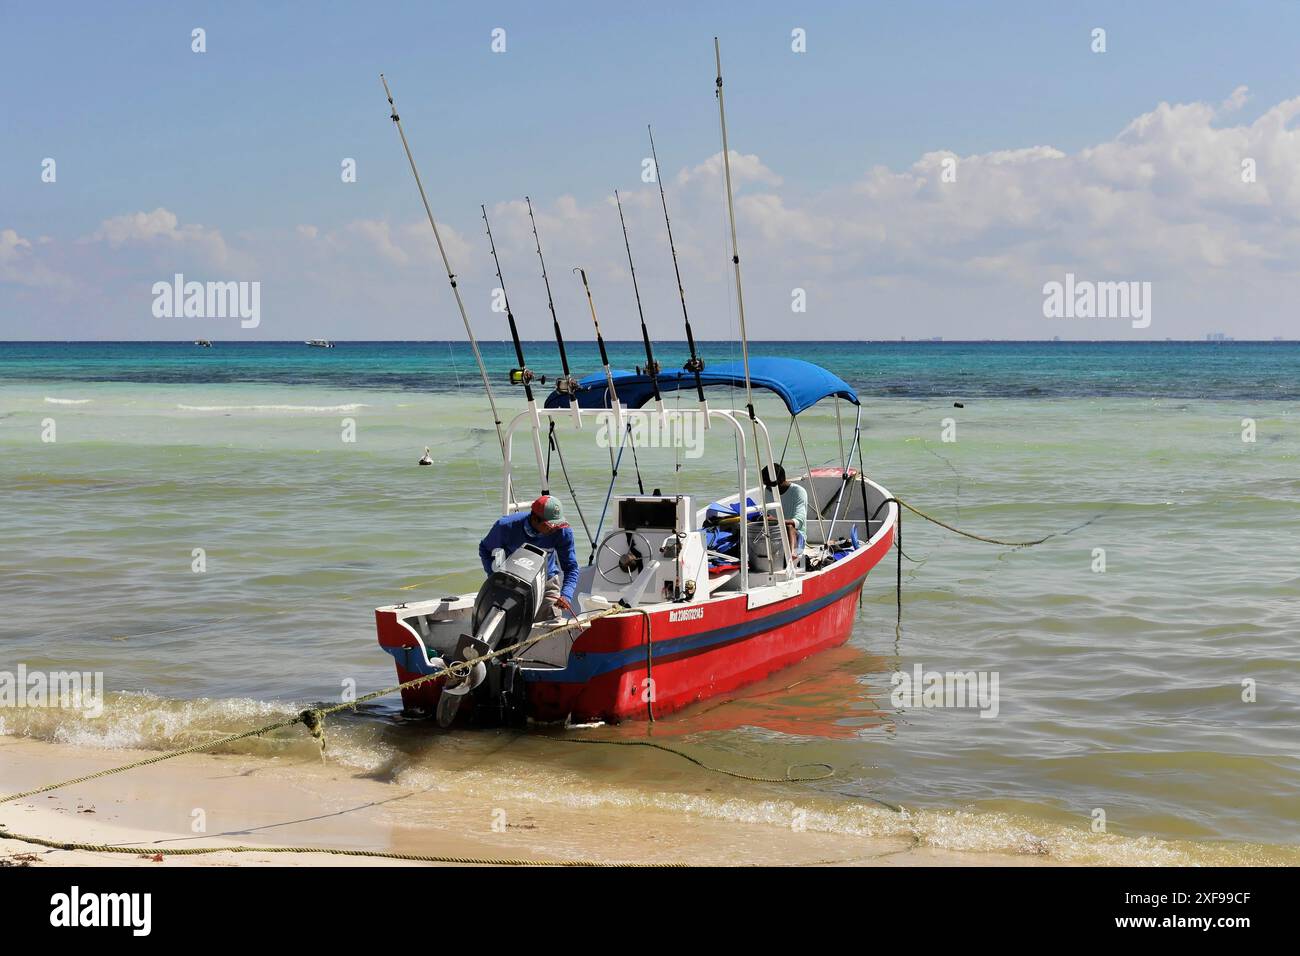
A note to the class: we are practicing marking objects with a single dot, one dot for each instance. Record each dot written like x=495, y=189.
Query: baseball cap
x=549, y=514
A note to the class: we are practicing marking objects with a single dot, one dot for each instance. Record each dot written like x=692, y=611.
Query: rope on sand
x=313, y=718
x=371, y=854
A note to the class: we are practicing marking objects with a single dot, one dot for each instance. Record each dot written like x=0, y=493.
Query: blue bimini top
x=800, y=384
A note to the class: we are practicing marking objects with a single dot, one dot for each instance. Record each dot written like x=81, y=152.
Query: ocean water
x=1120, y=690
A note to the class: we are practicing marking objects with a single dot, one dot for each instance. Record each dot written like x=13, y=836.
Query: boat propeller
x=457, y=688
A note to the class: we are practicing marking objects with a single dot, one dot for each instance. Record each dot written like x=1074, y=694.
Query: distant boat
x=320, y=343
x=203, y=342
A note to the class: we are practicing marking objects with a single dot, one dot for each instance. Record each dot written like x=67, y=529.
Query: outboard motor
x=504, y=611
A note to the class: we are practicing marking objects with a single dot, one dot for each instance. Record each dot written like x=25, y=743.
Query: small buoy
x=958, y=405
x=428, y=457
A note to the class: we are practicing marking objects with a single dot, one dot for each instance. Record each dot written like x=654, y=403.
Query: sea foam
x=272, y=408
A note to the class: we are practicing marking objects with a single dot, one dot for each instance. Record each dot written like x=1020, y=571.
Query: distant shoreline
x=673, y=341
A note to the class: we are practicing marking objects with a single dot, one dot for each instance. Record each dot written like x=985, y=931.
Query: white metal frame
x=621, y=416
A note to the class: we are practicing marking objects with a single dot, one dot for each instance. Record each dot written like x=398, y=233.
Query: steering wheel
x=622, y=556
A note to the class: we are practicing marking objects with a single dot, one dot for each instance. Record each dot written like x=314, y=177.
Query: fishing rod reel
x=566, y=385
x=504, y=611
x=652, y=370
x=693, y=365
x=525, y=376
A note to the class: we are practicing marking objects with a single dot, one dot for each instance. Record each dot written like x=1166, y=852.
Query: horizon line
x=936, y=340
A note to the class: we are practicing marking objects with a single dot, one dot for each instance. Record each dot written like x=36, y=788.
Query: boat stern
x=417, y=634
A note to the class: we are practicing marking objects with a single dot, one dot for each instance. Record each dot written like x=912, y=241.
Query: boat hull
x=611, y=677
x=640, y=664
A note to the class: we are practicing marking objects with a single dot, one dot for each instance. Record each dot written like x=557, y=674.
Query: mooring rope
x=331, y=851
x=898, y=546
x=965, y=534
x=313, y=718
x=829, y=771
x=649, y=673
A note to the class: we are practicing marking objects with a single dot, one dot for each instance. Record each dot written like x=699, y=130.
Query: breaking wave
x=318, y=409
x=382, y=750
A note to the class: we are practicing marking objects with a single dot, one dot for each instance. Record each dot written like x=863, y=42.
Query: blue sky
x=240, y=149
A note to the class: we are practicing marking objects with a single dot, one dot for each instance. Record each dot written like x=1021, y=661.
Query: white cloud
x=20, y=265
x=745, y=168
x=1165, y=196
x=1162, y=200
x=379, y=236
x=11, y=244
x=1236, y=101
x=160, y=227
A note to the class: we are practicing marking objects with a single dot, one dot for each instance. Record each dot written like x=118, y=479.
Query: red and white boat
x=689, y=631
x=679, y=603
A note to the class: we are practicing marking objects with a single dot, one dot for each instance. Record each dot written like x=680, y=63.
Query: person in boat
x=794, y=502
x=542, y=526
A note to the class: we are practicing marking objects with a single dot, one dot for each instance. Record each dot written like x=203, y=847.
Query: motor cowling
x=504, y=612
x=516, y=587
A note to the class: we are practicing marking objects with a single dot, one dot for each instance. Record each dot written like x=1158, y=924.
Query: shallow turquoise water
x=1238, y=370
x=1119, y=690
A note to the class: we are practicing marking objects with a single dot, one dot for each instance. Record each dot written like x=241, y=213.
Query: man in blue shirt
x=542, y=526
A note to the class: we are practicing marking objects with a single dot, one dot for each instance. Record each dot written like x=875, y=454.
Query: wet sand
x=255, y=801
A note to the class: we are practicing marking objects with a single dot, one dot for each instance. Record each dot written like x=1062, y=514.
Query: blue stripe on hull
x=583, y=667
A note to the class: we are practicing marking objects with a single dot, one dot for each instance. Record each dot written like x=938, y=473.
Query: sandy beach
x=509, y=808
x=254, y=802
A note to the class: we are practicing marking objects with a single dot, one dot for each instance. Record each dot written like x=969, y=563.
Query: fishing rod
x=521, y=375
x=451, y=276
x=618, y=418
x=731, y=213
x=566, y=384
x=744, y=345
x=694, y=365
x=604, y=356
x=651, y=366
x=613, y=404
